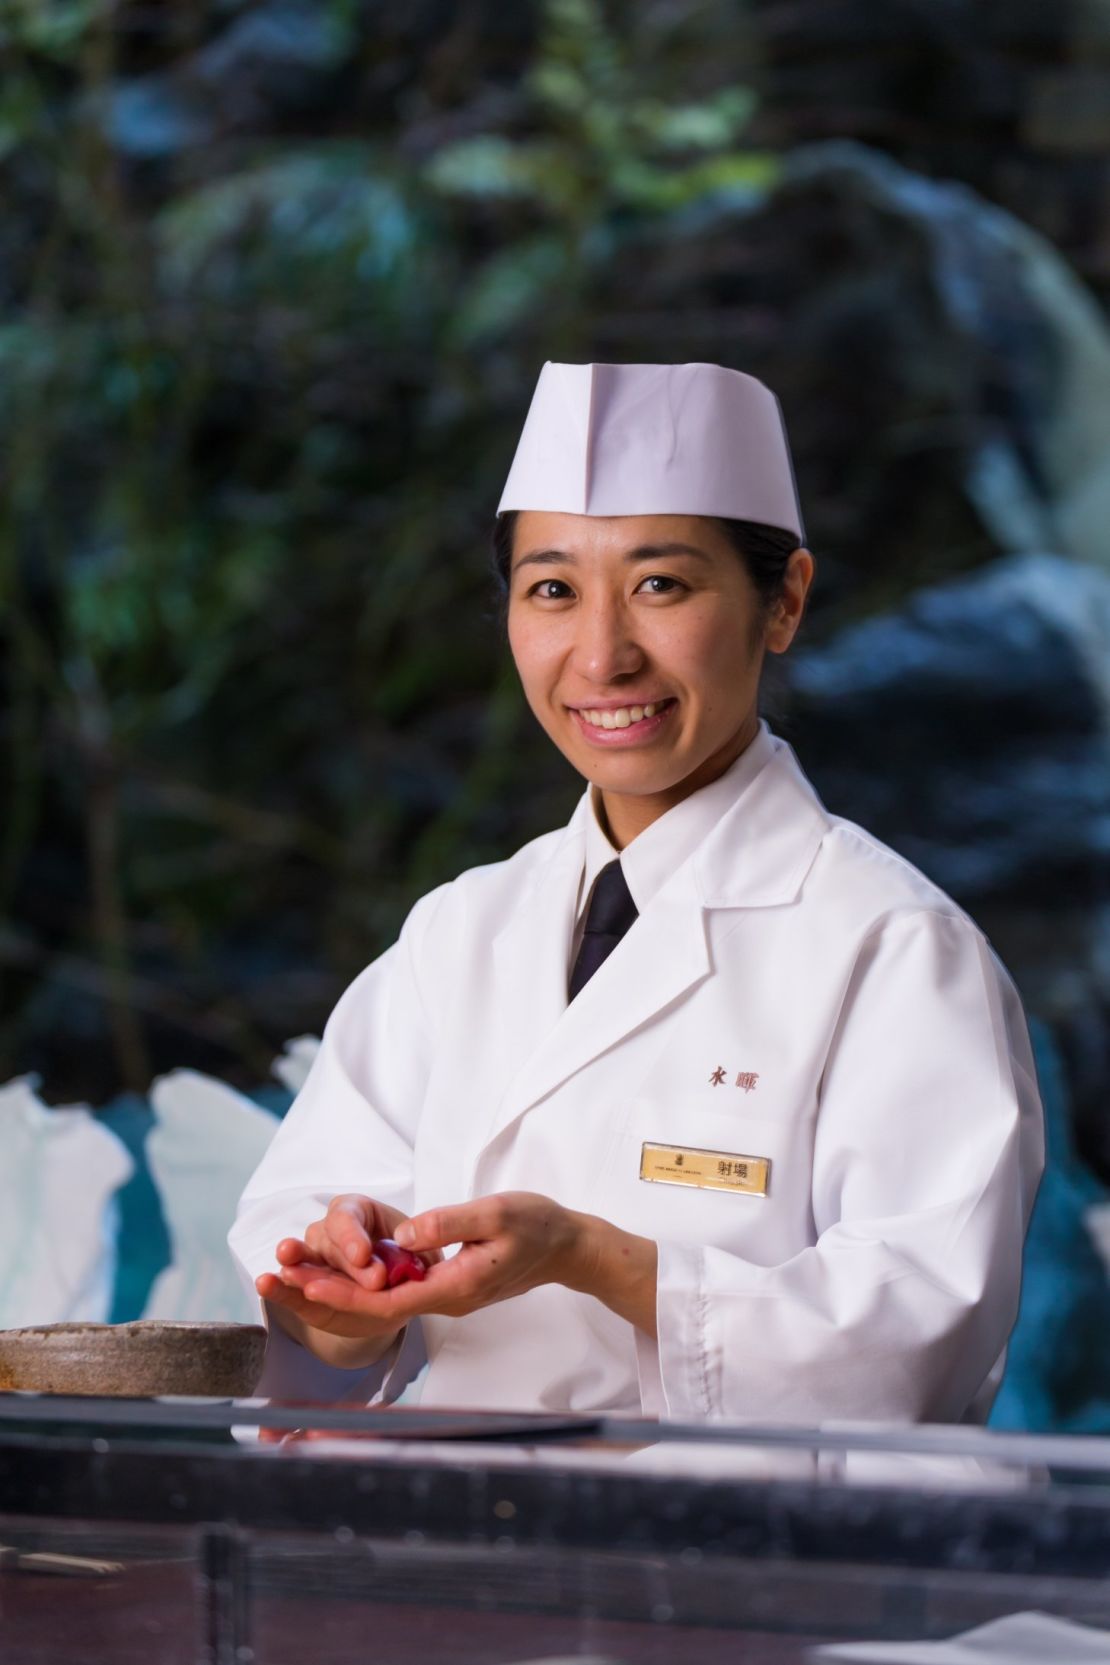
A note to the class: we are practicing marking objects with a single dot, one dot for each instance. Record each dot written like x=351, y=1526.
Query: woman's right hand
x=343, y=1240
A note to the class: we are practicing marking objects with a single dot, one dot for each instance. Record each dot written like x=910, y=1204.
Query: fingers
x=333, y=1274
x=297, y=1271
x=341, y=1294
x=300, y=1277
x=355, y=1319
x=469, y=1222
x=316, y=1314
x=326, y=1299
x=272, y=1289
x=347, y=1226
x=294, y=1251
x=343, y=1239
x=324, y=1287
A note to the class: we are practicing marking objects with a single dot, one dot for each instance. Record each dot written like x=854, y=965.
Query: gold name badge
x=709, y=1170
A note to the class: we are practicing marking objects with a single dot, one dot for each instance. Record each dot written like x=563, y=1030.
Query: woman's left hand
x=511, y=1242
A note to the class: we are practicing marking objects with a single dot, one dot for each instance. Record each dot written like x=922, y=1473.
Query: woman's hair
x=764, y=550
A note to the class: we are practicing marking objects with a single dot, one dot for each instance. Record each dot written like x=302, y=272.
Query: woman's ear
x=790, y=605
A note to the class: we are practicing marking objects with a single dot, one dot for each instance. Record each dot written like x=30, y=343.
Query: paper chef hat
x=643, y=439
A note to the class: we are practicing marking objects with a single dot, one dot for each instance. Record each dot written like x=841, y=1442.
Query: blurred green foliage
x=275, y=282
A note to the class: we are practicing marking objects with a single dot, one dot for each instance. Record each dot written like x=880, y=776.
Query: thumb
x=439, y=1227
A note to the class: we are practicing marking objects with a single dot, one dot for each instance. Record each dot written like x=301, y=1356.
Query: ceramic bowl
x=139, y=1360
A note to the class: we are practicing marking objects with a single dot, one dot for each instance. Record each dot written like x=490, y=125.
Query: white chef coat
x=791, y=990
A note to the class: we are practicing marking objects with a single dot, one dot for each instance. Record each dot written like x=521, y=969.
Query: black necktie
x=610, y=913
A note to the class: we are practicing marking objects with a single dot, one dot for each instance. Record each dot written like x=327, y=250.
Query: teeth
x=622, y=718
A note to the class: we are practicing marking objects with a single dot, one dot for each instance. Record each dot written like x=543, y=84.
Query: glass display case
x=255, y=1534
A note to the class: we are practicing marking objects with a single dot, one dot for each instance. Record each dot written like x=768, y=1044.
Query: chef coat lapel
x=757, y=856
x=529, y=953
x=663, y=954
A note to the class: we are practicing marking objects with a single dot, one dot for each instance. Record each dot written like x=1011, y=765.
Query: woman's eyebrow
x=652, y=551
x=642, y=552
x=545, y=558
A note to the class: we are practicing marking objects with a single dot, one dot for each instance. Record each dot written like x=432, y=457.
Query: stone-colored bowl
x=134, y=1361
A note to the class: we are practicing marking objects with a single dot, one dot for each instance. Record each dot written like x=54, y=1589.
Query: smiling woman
x=707, y=1104
x=639, y=640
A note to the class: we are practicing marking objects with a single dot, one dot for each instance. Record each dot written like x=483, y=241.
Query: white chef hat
x=642, y=439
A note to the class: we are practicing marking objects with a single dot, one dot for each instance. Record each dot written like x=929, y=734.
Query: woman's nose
x=605, y=645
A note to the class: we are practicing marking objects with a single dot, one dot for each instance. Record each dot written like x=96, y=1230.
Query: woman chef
x=730, y=1109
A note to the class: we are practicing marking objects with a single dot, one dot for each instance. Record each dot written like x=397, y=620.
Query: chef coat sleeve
x=927, y=1151
x=351, y=1127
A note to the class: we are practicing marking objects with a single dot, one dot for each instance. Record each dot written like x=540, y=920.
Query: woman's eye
x=659, y=583
x=552, y=589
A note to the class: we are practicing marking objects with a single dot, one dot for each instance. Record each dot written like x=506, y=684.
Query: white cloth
x=297, y=1056
x=1017, y=1639
x=793, y=991
x=58, y=1214
x=206, y=1142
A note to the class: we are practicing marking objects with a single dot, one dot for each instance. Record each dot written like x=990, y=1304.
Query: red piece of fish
x=401, y=1265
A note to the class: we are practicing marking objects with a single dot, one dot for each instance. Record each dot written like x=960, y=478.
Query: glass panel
x=99, y=1593
x=951, y=1456
x=535, y=1539
x=501, y=1603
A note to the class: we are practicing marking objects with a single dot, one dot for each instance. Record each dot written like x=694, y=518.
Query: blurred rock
x=1001, y=93
x=1070, y=111
x=945, y=376
x=276, y=58
x=1016, y=339
x=151, y=119
x=990, y=699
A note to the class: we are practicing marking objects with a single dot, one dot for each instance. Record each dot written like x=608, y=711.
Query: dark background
x=276, y=280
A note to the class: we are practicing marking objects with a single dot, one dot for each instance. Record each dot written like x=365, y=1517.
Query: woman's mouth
x=622, y=724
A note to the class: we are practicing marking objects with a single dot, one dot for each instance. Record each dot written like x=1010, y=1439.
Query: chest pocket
x=765, y=1229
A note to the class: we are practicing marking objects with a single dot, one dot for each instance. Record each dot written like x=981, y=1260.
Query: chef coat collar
x=765, y=843
x=653, y=855
x=752, y=833
x=757, y=853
